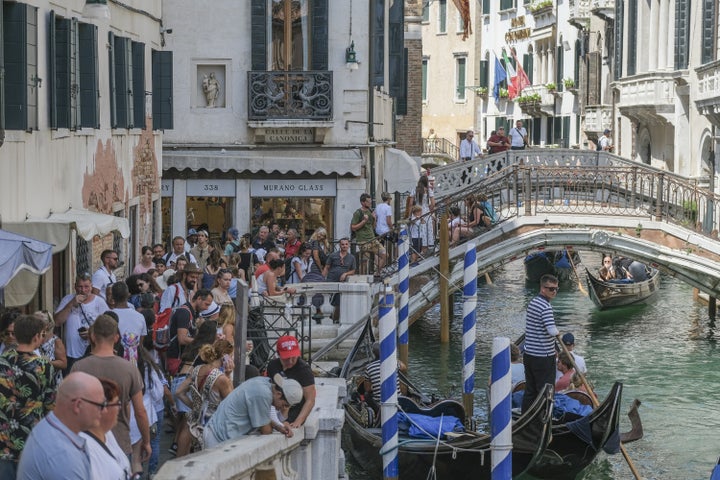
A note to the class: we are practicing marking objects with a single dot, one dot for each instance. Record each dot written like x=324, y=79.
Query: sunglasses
x=552, y=289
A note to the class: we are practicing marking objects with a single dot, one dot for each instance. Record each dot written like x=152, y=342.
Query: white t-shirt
x=131, y=324
x=382, y=211
x=81, y=316
x=101, y=279
x=104, y=465
x=604, y=142
x=517, y=136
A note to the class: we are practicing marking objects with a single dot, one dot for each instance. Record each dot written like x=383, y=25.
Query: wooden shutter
x=162, y=86
x=138, y=83
x=20, y=43
x=258, y=34
x=528, y=66
x=74, y=64
x=682, y=33
x=484, y=73
x=319, y=26
x=123, y=83
x=53, y=83
x=377, y=42
x=593, y=83
x=578, y=61
x=566, y=132
x=88, y=70
x=632, y=37
x=396, y=60
x=111, y=80
x=401, y=99
x=619, y=37
x=424, y=79
x=536, y=130
x=559, y=68
x=709, y=20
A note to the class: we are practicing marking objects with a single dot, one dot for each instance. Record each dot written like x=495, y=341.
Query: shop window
x=304, y=214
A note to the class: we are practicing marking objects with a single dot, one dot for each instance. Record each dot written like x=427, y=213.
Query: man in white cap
x=247, y=409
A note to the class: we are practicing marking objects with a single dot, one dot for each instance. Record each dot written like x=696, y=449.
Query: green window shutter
x=17, y=29
x=709, y=20
x=32, y=81
x=319, y=26
x=566, y=132
x=138, y=80
x=506, y=4
x=396, y=51
x=486, y=7
x=88, y=68
x=123, y=83
x=74, y=64
x=52, y=69
x=536, y=128
x=258, y=34
x=528, y=66
x=377, y=42
x=442, y=16
x=461, y=64
x=559, y=68
x=632, y=37
x=60, y=79
x=111, y=78
x=682, y=33
x=402, y=96
x=619, y=36
x=162, y=88
x=424, y=79
x=484, y=73
x=578, y=62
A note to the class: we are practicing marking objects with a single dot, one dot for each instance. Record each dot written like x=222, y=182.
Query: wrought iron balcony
x=708, y=94
x=579, y=13
x=305, y=95
x=597, y=119
x=604, y=9
x=648, y=97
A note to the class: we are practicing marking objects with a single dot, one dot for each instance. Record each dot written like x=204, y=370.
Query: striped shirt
x=540, y=330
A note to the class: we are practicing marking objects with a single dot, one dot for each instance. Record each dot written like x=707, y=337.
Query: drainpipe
x=371, y=102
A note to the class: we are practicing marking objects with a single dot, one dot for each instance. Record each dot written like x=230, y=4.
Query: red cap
x=287, y=347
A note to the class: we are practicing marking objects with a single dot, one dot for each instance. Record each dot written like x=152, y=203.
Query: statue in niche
x=211, y=88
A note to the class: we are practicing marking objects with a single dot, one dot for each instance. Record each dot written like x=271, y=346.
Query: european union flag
x=500, y=75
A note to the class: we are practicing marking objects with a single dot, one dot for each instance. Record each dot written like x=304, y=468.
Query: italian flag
x=516, y=80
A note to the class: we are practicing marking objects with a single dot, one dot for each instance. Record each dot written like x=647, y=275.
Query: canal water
x=665, y=353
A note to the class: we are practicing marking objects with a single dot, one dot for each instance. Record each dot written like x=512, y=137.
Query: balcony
x=708, y=91
x=278, y=95
x=579, y=15
x=648, y=97
x=543, y=104
x=604, y=9
x=597, y=119
x=543, y=13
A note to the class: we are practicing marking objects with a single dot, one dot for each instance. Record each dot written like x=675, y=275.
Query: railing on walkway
x=440, y=146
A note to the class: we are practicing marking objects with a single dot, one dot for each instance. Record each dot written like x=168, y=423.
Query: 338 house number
x=214, y=187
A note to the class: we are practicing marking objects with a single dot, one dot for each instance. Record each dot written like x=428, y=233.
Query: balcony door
x=289, y=48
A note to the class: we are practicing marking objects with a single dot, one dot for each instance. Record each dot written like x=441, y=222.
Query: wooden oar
x=597, y=403
x=580, y=285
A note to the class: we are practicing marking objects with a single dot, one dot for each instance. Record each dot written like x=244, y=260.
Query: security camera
x=166, y=30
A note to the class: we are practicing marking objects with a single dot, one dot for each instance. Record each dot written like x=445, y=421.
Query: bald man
x=55, y=450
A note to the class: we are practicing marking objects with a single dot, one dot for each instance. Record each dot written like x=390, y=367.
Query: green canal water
x=665, y=353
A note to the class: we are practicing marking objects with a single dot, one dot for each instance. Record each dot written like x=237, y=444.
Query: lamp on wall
x=351, y=57
x=97, y=9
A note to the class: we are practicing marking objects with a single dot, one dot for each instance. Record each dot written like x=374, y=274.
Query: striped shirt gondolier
x=540, y=329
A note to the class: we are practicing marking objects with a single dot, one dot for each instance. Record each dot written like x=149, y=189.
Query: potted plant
x=551, y=87
x=504, y=93
x=540, y=6
x=569, y=83
x=481, y=91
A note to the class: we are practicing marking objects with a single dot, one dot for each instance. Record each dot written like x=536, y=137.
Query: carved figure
x=211, y=88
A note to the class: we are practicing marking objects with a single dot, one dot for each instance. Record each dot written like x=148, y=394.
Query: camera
x=82, y=329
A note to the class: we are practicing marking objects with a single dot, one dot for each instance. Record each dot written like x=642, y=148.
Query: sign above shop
x=211, y=188
x=166, y=188
x=289, y=135
x=293, y=188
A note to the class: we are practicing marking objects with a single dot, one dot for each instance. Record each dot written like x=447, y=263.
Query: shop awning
x=312, y=161
x=401, y=171
x=18, y=252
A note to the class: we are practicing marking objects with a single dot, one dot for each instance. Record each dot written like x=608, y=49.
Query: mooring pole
x=712, y=308
x=403, y=287
x=445, y=300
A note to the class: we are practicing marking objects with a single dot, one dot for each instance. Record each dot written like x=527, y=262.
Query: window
x=528, y=66
x=709, y=22
x=484, y=73
x=559, y=66
x=460, y=23
x=64, y=81
x=425, y=79
x=632, y=37
x=21, y=74
x=426, y=11
x=121, y=94
x=442, y=16
x=507, y=4
x=460, y=64
x=682, y=33
x=619, y=37
x=89, y=85
x=162, y=88
x=486, y=7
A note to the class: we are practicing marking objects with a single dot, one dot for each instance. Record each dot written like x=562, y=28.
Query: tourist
x=517, y=369
x=55, y=448
x=201, y=251
x=569, y=341
x=469, y=148
x=498, y=142
x=158, y=253
x=384, y=216
x=424, y=196
x=232, y=245
x=415, y=223
x=107, y=459
x=178, y=250
x=518, y=136
x=540, y=335
x=77, y=312
x=183, y=327
x=272, y=254
x=291, y=366
x=215, y=263
x=292, y=243
x=53, y=348
x=268, y=284
x=300, y=264
x=226, y=323
x=262, y=240
x=247, y=409
x=27, y=390
x=607, y=271
x=320, y=249
x=221, y=292
x=131, y=323
x=146, y=261
x=363, y=227
x=104, y=276
x=178, y=293
x=154, y=387
x=566, y=370
x=457, y=227
x=7, y=329
x=103, y=363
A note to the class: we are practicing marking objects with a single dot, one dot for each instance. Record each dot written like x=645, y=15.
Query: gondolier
x=540, y=335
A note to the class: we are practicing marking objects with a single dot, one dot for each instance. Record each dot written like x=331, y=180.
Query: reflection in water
x=664, y=352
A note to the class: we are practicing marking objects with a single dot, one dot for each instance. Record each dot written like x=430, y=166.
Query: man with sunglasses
x=540, y=336
x=27, y=391
x=104, y=275
x=247, y=409
x=103, y=363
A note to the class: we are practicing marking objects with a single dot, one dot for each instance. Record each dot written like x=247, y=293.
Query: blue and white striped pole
x=388, y=389
x=500, y=410
x=468, y=339
x=403, y=287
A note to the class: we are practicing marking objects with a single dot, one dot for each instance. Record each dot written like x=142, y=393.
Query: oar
x=580, y=285
x=595, y=404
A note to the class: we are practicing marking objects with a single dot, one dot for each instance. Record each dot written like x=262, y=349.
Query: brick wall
x=408, y=128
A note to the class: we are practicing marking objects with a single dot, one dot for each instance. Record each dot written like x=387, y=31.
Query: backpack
x=161, y=327
x=598, y=147
x=289, y=269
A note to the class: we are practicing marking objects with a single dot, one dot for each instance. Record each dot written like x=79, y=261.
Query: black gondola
x=554, y=262
x=464, y=455
x=621, y=293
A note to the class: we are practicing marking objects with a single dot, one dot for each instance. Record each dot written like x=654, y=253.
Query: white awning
x=401, y=171
x=328, y=161
x=87, y=224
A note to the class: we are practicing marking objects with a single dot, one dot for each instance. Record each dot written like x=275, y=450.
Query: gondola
x=621, y=293
x=463, y=455
x=576, y=442
x=554, y=262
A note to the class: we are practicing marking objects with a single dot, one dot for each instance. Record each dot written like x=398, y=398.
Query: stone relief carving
x=211, y=88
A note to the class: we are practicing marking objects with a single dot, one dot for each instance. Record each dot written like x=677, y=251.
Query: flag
x=512, y=77
x=500, y=75
x=463, y=7
x=522, y=78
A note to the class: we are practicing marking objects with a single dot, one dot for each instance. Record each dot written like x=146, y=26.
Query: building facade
x=81, y=137
x=284, y=113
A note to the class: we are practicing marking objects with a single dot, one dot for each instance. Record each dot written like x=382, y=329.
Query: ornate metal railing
x=305, y=95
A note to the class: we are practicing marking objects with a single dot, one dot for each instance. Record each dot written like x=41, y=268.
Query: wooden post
x=712, y=308
x=445, y=299
x=241, y=321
